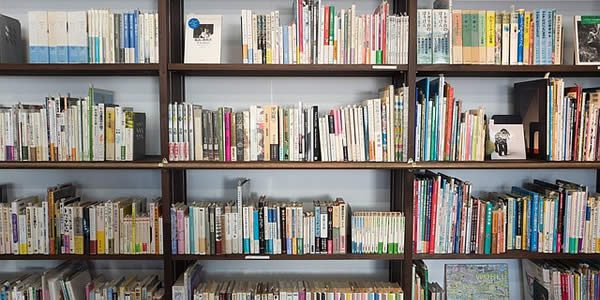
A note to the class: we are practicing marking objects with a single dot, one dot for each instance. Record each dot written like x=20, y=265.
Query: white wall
x=363, y=189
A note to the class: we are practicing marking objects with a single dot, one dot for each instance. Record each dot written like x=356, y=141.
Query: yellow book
x=100, y=237
x=526, y=39
x=78, y=245
x=490, y=37
x=110, y=133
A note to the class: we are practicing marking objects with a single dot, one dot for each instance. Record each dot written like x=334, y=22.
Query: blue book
x=131, y=37
x=256, y=228
x=533, y=219
x=555, y=232
x=487, y=249
x=318, y=227
x=285, y=45
x=537, y=37
x=173, y=231
x=191, y=229
x=126, y=35
x=458, y=220
x=136, y=36
x=521, y=31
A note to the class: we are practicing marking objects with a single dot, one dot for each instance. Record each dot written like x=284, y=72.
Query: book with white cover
x=57, y=37
x=77, y=36
x=203, y=38
x=38, y=37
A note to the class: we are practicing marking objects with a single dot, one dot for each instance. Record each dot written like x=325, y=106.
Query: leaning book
x=587, y=40
x=203, y=38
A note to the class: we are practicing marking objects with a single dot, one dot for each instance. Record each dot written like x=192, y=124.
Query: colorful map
x=477, y=281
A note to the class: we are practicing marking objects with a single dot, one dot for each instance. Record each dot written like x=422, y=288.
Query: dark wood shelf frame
x=254, y=257
x=289, y=165
x=82, y=257
x=507, y=71
x=510, y=255
x=289, y=70
x=150, y=162
x=79, y=69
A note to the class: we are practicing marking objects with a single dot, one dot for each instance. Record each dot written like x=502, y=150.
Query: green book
x=466, y=36
x=488, y=228
x=331, y=25
x=475, y=37
x=481, y=46
x=421, y=270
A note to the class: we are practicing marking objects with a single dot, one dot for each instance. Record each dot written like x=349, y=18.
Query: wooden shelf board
x=151, y=162
x=79, y=69
x=82, y=257
x=292, y=257
x=286, y=70
x=508, y=71
x=515, y=164
x=524, y=164
x=509, y=255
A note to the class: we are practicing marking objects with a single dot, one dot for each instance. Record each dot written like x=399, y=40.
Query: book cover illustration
x=203, y=39
x=476, y=281
x=587, y=40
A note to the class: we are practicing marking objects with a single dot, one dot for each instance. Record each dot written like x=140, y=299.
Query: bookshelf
x=172, y=72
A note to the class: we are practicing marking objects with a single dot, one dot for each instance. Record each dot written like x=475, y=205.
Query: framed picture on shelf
x=476, y=281
x=508, y=138
x=203, y=39
x=587, y=40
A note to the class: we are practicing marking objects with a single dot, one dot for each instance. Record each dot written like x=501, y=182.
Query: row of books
x=377, y=232
x=93, y=36
x=518, y=37
x=422, y=289
x=75, y=281
x=559, y=279
x=268, y=227
x=542, y=217
x=443, y=131
x=190, y=285
x=572, y=122
x=321, y=35
x=65, y=224
x=66, y=128
x=374, y=130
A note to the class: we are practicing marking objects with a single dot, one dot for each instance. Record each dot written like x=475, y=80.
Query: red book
x=449, y=114
x=326, y=26
x=93, y=248
x=434, y=200
x=227, y=150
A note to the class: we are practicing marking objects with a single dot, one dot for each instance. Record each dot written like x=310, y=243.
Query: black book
x=261, y=225
x=316, y=135
x=282, y=210
x=330, y=228
x=139, y=135
x=239, y=136
x=211, y=229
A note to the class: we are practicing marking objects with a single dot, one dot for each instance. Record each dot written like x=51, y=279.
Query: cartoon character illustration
x=501, y=142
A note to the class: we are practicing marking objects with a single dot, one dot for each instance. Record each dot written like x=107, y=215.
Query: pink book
x=227, y=149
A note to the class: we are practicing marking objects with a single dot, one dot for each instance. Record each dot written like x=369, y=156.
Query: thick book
x=531, y=104
x=11, y=51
